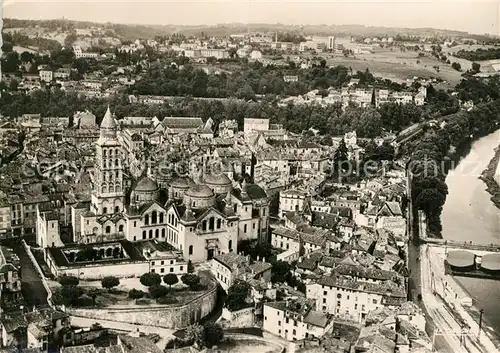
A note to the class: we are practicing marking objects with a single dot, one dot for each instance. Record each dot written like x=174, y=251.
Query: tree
x=26, y=56
x=279, y=271
x=150, y=279
x=190, y=267
x=456, y=66
x=69, y=281
x=190, y=280
x=237, y=295
x=476, y=67
x=70, y=294
x=340, y=157
x=109, y=282
x=212, y=334
x=158, y=291
x=194, y=335
x=170, y=279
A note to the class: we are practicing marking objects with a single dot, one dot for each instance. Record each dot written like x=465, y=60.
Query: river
x=469, y=215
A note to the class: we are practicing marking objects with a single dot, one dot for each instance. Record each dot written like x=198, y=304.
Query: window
x=245, y=228
x=230, y=245
x=325, y=292
x=211, y=223
x=162, y=262
x=154, y=217
x=135, y=223
x=120, y=228
x=339, y=296
x=150, y=233
x=190, y=250
x=163, y=233
x=171, y=269
x=162, y=270
x=108, y=229
x=117, y=209
x=287, y=320
x=294, y=332
x=265, y=318
x=374, y=301
x=324, y=300
x=157, y=233
x=144, y=234
x=161, y=217
x=146, y=219
x=171, y=262
x=219, y=223
x=153, y=270
x=279, y=323
x=104, y=210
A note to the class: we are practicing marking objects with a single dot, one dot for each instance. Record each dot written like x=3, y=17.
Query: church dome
x=217, y=179
x=182, y=182
x=146, y=185
x=219, y=183
x=199, y=191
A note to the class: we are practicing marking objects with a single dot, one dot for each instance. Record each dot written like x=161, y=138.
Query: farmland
x=399, y=66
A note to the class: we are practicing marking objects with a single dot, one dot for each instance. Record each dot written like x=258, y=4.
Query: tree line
x=479, y=54
x=430, y=155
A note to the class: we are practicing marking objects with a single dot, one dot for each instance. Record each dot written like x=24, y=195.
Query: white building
x=291, y=200
x=46, y=75
x=295, y=319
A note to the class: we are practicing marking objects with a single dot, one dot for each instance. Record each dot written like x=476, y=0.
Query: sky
x=474, y=16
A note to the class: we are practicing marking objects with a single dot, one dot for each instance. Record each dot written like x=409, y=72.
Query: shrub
x=69, y=281
x=190, y=267
x=136, y=294
x=150, y=279
x=213, y=334
x=110, y=282
x=190, y=280
x=158, y=291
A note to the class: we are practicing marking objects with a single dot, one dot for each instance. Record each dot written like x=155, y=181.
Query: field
x=399, y=66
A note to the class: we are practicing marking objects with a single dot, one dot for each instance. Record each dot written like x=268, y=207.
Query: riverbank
x=488, y=176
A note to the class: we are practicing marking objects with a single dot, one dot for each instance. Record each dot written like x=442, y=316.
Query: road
x=447, y=325
x=31, y=284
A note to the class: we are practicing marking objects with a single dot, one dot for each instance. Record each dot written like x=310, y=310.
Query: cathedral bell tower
x=108, y=195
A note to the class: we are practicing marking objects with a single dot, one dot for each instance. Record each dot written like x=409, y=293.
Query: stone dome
x=108, y=125
x=146, y=185
x=199, y=191
x=217, y=179
x=182, y=182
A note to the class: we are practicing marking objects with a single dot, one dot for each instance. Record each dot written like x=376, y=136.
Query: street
x=447, y=327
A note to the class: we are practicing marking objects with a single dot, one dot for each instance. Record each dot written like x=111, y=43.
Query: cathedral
x=201, y=219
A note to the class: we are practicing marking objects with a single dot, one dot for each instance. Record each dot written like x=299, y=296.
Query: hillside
x=130, y=31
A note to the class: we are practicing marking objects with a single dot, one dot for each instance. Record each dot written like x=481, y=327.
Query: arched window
x=211, y=223
x=146, y=219
x=235, y=208
x=175, y=222
x=117, y=209
x=118, y=188
x=157, y=233
x=219, y=223
x=161, y=217
x=163, y=233
x=117, y=162
x=108, y=229
x=154, y=217
x=104, y=210
x=120, y=228
x=143, y=234
x=104, y=189
x=150, y=234
x=204, y=225
x=104, y=152
x=109, y=252
x=111, y=152
x=190, y=250
x=230, y=245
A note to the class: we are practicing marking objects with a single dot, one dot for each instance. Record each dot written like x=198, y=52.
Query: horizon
x=404, y=14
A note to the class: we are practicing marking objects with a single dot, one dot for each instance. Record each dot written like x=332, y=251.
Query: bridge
x=453, y=244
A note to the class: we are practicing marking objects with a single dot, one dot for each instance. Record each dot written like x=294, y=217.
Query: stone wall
x=240, y=318
x=173, y=316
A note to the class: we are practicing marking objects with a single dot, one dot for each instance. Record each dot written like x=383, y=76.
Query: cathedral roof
x=182, y=181
x=146, y=185
x=217, y=179
x=199, y=191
